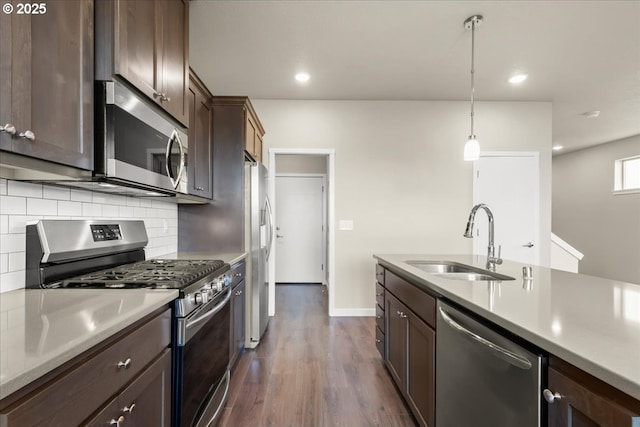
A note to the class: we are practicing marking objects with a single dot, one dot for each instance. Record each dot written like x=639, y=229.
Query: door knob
x=528, y=245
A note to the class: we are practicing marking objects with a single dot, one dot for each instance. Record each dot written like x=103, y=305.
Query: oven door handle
x=185, y=324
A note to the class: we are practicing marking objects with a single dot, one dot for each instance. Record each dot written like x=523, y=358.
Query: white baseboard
x=353, y=312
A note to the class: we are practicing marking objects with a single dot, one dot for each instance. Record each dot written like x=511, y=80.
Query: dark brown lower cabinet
x=586, y=401
x=410, y=349
x=145, y=402
x=237, y=321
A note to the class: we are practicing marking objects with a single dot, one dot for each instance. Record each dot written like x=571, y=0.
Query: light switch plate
x=345, y=224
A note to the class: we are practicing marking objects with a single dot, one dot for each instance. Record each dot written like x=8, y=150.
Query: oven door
x=202, y=364
x=141, y=145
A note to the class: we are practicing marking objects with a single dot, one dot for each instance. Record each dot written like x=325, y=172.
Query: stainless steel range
x=110, y=255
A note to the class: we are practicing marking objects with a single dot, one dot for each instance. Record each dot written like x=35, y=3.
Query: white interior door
x=509, y=184
x=299, y=229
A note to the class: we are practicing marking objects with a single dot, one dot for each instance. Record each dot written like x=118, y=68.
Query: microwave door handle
x=175, y=138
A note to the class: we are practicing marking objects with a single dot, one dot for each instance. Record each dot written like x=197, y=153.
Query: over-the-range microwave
x=136, y=143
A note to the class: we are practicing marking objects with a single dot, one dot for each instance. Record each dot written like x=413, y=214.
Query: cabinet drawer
x=380, y=294
x=380, y=341
x=147, y=399
x=423, y=304
x=380, y=317
x=73, y=396
x=380, y=274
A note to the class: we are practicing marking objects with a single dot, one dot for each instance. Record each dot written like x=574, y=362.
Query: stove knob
x=205, y=296
x=197, y=298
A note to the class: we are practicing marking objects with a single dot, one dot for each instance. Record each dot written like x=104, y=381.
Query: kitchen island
x=592, y=323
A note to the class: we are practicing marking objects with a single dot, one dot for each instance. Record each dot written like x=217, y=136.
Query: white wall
x=603, y=226
x=21, y=202
x=399, y=172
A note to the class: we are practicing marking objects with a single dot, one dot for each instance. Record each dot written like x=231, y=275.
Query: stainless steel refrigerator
x=258, y=242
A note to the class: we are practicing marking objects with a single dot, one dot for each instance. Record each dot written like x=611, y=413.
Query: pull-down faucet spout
x=492, y=260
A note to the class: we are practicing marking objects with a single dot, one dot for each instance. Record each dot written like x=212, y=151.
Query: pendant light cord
x=473, y=32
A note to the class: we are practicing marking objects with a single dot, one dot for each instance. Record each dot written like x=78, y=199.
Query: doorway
x=508, y=182
x=300, y=228
x=327, y=157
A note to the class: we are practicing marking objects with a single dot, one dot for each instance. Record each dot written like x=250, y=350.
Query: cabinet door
x=238, y=319
x=136, y=41
x=395, y=336
x=257, y=147
x=174, y=68
x=46, y=65
x=200, y=138
x=581, y=406
x=145, y=402
x=250, y=135
x=420, y=381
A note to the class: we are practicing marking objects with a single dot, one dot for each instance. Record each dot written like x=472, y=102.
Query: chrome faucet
x=492, y=260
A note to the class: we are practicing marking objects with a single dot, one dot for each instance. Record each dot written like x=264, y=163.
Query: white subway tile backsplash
x=12, y=281
x=91, y=209
x=18, y=223
x=4, y=263
x=12, y=243
x=81, y=195
x=110, y=211
x=17, y=261
x=24, y=189
x=13, y=205
x=69, y=208
x=126, y=211
x=23, y=203
x=57, y=193
x=41, y=207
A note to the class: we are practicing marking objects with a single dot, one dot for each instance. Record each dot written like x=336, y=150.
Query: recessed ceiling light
x=591, y=114
x=518, y=78
x=303, y=77
x=557, y=147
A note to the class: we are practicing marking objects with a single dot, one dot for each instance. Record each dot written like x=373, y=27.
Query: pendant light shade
x=472, y=147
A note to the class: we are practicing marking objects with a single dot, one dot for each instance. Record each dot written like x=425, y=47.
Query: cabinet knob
x=117, y=422
x=378, y=317
x=165, y=98
x=129, y=408
x=158, y=95
x=401, y=313
x=125, y=364
x=238, y=293
x=378, y=340
x=379, y=294
x=8, y=128
x=550, y=396
x=27, y=134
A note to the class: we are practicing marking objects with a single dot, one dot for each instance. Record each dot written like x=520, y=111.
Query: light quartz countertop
x=228, y=257
x=590, y=322
x=42, y=329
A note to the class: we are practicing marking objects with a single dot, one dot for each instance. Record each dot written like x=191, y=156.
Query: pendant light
x=472, y=147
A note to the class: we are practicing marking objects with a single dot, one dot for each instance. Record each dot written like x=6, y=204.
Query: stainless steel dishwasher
x=482, y=377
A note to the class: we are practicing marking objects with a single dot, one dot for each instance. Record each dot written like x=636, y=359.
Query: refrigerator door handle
x=269, y=225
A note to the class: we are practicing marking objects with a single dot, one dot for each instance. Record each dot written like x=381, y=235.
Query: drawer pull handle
x=129, y=408
x=125, y=364
x=27, y=134
x=117, y=422
x=8, y=128
x=550, y=396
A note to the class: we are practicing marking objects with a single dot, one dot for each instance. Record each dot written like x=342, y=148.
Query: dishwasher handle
x=504, y=354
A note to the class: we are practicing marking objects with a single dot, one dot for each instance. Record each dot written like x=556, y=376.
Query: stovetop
x=150, y=274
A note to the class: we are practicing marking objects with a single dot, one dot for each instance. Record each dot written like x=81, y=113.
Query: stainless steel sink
x=456, y=271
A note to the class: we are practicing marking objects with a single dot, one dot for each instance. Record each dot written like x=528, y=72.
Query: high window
x=627, y=175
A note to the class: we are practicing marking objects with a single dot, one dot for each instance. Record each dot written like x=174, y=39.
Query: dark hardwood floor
x=311, y=370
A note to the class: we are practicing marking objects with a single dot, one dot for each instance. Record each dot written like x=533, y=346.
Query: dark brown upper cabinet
x=200, y=138
x=46, y=94
x=147, y=44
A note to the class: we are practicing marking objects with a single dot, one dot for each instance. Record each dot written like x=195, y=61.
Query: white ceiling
x=580, y=55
